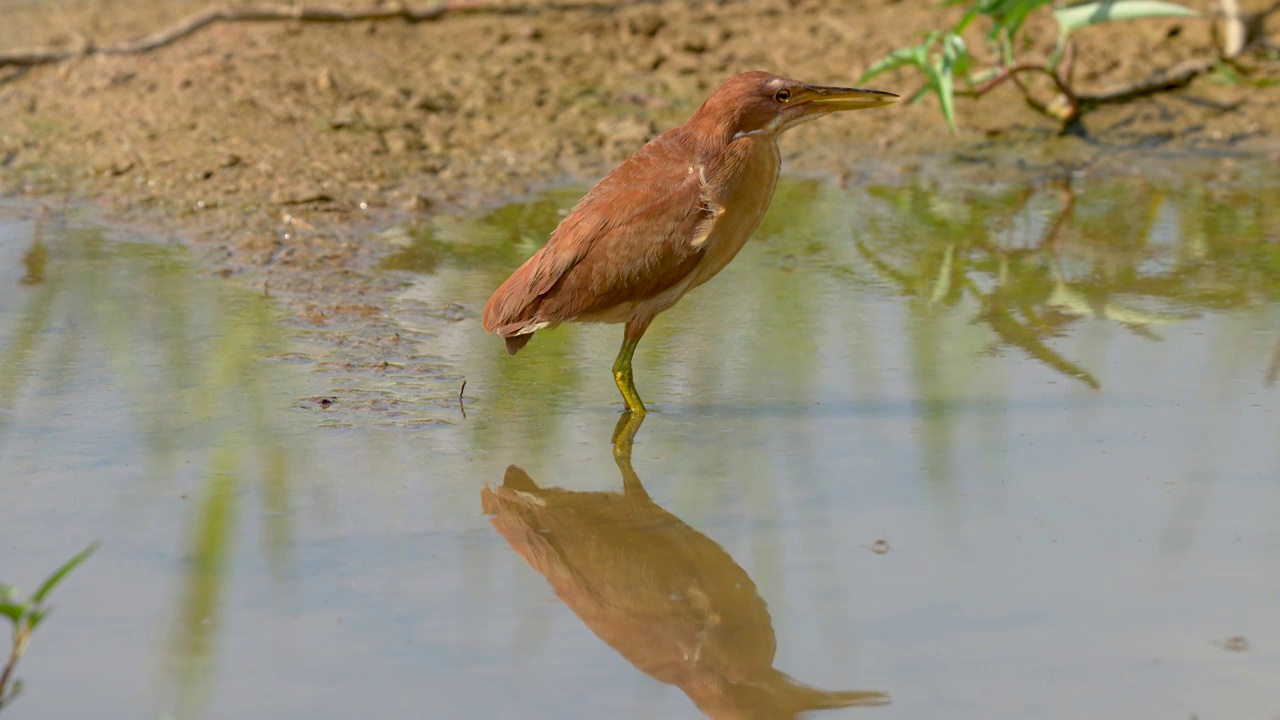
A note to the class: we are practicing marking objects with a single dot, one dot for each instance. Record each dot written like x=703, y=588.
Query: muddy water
x=1006, y=451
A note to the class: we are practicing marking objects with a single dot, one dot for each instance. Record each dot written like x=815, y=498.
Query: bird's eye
x=782, y=95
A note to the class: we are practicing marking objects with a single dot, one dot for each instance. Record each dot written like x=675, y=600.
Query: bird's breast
x=737, y=190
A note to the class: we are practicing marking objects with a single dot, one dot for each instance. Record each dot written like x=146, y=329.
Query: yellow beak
x=833, y=99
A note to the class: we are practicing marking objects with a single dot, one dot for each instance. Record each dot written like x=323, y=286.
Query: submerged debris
x=1235, y=643
x=879, y=547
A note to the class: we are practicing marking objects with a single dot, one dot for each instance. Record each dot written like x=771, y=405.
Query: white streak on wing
x=714, y=209
x=532, y=328
x=527, y=497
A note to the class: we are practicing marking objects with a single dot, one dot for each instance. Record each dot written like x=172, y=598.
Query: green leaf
x=914, y=55
x=954, y=48
x=941, y=78
x=967, y=18
x=1006, y=16
x=1077, y=17
x=1223, y=72
x=939, y=67
x=940, y=84
x=1227, y=74
x=35, y=617
x=8, y=592
x=14, y=692
x=983, y=76
x=942, y=284
x=1015, y=13
x=921, y=52
x=43, y=591
x=894, y=60
x=13, y=611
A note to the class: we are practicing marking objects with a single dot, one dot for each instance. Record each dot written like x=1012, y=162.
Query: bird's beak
x=832, y=99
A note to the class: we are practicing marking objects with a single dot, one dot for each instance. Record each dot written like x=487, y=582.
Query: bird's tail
x=515, y=342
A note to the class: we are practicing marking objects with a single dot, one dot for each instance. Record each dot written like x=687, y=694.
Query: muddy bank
x=256, y=134
x=279, y=149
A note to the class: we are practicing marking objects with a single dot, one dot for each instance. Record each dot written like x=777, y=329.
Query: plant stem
x=1012, y=72
x=1067, y=70
x=20, y=637
x=1030, y=99
x=1019, y=69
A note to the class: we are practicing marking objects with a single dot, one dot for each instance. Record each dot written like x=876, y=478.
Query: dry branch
x=1182, y=74
x=29, y=57
x=1169, y=79
x=1172, y=78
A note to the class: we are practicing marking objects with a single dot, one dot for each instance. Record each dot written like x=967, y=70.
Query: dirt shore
x=274, y=148
x=244, y=133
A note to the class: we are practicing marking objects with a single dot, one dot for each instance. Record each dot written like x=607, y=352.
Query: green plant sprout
x=26, y=615
x=943, y=56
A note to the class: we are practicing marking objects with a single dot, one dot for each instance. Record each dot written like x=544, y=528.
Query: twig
x=1176, y=77
x=1067, y=69
x=1028, y=340
x=29, y=57
x=1056, y=231
x=1006, y=73
x=1011, y=73
x=1030, y=99
x=1173, y=78
x=461, y=406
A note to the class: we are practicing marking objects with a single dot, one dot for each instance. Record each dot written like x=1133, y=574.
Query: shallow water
x=1000, y=451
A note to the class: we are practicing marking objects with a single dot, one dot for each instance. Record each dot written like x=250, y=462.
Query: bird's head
x=761, y=103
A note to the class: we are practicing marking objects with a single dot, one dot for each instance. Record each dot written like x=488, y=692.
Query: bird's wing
x=633, y=236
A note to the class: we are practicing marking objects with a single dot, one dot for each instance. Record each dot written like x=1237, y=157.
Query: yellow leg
x=622, y=366
x=622, y=375
x=624, y=434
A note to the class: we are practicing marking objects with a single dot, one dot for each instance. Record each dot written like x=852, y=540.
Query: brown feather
x=626, y=240
x=663, y=595
x=515, y=342
x=664, y=221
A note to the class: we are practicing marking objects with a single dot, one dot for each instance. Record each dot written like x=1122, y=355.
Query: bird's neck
x=709, y=136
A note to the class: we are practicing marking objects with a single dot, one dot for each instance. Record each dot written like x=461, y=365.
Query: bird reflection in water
x=663, y=595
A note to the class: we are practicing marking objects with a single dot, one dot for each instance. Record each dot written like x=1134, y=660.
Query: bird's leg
x=623, y=376
x=622, y=366
x=624, y=434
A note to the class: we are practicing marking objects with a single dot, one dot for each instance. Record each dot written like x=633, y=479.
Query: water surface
x=999, y=451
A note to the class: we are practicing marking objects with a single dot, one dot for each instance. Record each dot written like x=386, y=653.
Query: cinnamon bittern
x=667, y=219
x=660, y=593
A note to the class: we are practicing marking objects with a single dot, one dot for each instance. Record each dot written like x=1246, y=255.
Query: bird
x=666, y=220
x=663, y=595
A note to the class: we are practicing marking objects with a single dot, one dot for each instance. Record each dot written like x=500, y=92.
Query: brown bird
x=667, y=219
x=663, y=595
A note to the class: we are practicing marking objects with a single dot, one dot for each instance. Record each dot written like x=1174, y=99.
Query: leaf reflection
x=186, y=354
x=1038, y=260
